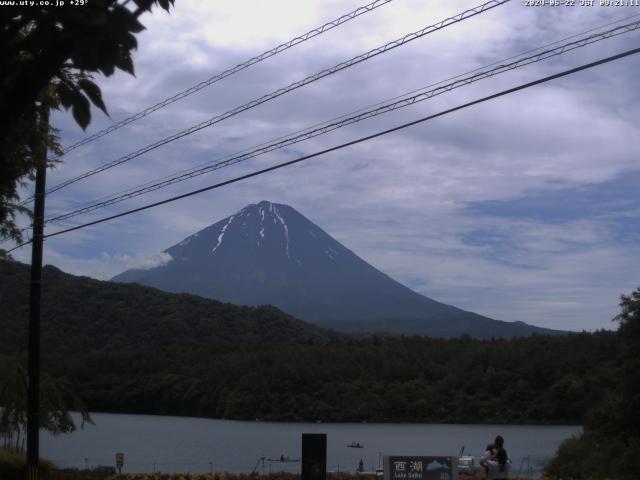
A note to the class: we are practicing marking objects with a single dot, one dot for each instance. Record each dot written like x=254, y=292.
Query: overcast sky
x=523, y=208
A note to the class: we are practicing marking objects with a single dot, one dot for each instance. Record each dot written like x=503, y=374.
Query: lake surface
x=180, y=444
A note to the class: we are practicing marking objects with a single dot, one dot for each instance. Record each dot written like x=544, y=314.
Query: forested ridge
x=128, y=348
x=80, y=314
x=133, y=349
x=408, y=379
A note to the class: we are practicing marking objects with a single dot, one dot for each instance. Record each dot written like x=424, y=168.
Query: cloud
x=154, y=261
x=507, y=208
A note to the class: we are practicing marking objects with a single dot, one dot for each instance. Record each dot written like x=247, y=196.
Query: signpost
x=419, y=468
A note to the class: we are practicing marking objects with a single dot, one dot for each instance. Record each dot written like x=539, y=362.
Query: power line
x=348, y=144
x=242, y=66
x=343, y=116
x=293, y=86
x=379, y=110
x=397, y=97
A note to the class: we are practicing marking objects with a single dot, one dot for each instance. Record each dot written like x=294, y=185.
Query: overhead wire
x=363, y=109
x=350, y=143
x=293, y=86
x=175, y=177
x=379, y=109
x=241, y=66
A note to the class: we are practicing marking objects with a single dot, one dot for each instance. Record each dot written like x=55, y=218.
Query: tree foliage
x=381, y=379
x=80, y=314
x=610, y=444
x=56, y=397
x=195, y=356
x=47, y=57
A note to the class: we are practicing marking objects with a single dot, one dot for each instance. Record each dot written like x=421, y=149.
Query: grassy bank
x=13, y=466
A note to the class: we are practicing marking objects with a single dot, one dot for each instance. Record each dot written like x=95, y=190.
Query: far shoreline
x=334, y=422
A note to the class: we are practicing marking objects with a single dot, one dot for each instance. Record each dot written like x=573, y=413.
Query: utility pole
x=33, y=380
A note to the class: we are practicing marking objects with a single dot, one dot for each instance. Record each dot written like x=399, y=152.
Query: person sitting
x=499, y=465
x=486, y=456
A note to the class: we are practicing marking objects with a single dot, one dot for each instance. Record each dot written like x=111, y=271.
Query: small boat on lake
x=284, y=459
x=355, y=445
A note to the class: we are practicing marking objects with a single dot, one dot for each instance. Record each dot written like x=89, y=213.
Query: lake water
x=180, y=444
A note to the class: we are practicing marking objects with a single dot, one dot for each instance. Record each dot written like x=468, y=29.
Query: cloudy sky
x=522, y=208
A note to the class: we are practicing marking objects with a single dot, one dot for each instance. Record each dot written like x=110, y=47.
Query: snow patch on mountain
x=221, y=236
x=284, y=225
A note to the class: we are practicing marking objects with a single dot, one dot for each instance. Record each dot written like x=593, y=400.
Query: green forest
x=131, y=349
x=587, y=378
x=528, y=380
x=80, y=314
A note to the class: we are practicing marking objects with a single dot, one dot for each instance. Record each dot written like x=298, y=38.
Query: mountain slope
x=81, y=314
x=270, y=254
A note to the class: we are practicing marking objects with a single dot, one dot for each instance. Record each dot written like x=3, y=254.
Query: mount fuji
x=268, y=253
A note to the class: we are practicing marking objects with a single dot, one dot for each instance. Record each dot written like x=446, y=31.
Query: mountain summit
x=268, y=253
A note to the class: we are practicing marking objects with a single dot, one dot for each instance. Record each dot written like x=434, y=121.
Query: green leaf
x=107, y=60
x=99, y=18
x=125, y=63
x=93, y=92
x=65, y=94
x=81, y=110
x=132, y=23
x=144, y=4
x=125, y=18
